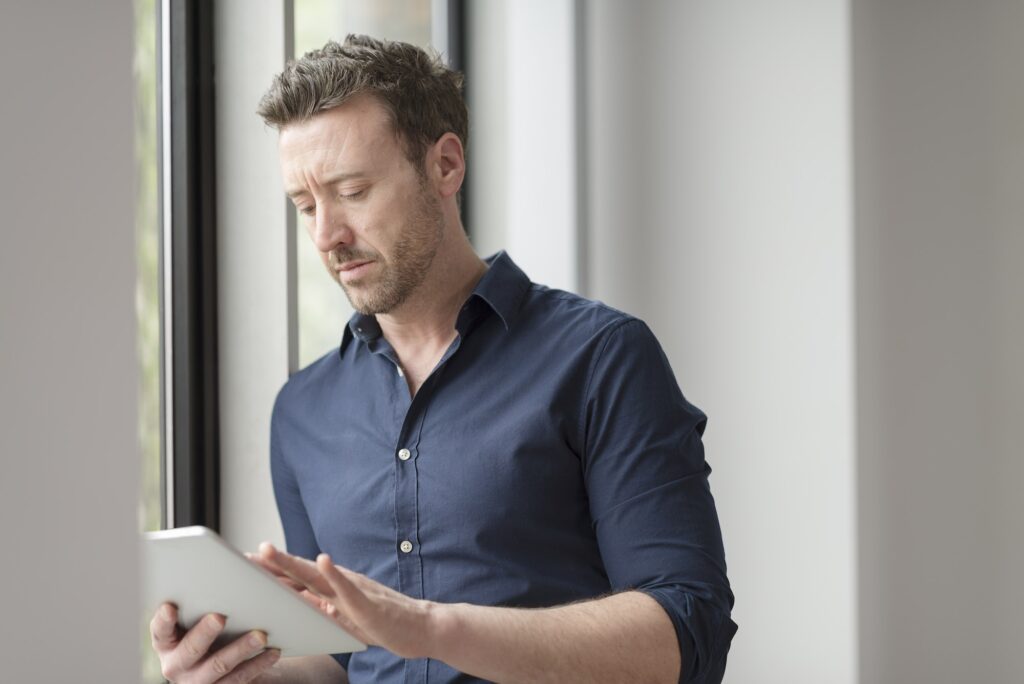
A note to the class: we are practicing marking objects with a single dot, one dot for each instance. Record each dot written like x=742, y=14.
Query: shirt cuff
x=342, y=659
x=704, y=633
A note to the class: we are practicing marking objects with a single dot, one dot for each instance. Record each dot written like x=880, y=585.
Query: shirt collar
x=502, y=287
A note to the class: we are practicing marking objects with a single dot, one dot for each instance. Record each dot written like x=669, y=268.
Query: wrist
x=443, y=628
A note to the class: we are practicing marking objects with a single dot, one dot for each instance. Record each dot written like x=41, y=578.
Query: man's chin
x=366, y=305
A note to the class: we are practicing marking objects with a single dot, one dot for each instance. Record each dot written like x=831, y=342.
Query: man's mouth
x=353, y=270
x=351, y=265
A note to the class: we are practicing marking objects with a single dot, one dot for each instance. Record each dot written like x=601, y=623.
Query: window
x=323, y=309
x=147, y=288
x=186, y=418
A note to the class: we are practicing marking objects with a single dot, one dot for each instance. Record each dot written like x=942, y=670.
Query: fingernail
x=257, y=639
x=275, y=653
x=166, y=612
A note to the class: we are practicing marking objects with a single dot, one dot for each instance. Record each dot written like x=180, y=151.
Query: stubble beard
x=410, y=261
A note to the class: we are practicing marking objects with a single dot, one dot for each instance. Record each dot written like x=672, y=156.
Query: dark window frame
x=192, y=419
x=457, y=51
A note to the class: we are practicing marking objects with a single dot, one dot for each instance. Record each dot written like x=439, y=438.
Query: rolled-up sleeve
x=647, y=481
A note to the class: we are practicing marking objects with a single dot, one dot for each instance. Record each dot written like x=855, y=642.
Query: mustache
x=341, y=256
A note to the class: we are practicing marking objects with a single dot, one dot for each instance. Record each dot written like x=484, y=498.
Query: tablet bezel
x=199, y=572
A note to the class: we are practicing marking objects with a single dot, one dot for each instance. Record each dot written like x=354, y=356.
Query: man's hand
x=185, y=658
x=371, y=612
x=624, y=637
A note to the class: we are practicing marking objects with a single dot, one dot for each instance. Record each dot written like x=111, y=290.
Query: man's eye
x=354, y=195
x=307, y=211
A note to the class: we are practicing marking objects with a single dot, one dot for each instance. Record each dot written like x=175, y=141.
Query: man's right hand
x=185, y=657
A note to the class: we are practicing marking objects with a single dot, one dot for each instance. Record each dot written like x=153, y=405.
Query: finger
x=340, y=608
x=318, y=602
x=258, y=560
x=163, y=628
x=299, y=569
x=341, y=584
x=349, y=599
x=361, y=581
x=275, y=571
x=223, y=662
x=197, y=641
x=253, y=668
x=289, y=583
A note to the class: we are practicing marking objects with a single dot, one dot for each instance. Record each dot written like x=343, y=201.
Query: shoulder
x=308, y=386
x=616, y=346
x=576, y=318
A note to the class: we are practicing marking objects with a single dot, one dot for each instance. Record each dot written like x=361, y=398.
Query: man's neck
x=426, y=321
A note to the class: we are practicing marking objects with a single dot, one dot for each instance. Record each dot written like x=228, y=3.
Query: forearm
x=319, y=669
x=625, y=637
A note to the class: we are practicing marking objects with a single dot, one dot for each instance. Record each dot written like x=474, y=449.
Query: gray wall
x=69, y=486
x=939, y=140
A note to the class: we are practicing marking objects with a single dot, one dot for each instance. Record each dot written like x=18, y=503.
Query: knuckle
x=219, y=666
x=191, y=649
x=167, y=671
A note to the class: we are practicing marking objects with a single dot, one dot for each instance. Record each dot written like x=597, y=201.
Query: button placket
x=409, y=545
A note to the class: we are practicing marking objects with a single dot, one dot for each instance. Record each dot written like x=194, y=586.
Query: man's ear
x=446, y=164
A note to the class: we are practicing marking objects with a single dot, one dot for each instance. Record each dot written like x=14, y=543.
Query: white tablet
x=199, y=572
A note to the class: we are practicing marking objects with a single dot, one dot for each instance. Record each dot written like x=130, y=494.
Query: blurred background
x=816, y=205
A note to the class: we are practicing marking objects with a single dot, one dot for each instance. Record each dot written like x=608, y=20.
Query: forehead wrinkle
x=322, y=145
x=329, y=159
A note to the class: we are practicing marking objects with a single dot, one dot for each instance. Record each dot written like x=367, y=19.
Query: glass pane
x=323, y=308
x=147, y=287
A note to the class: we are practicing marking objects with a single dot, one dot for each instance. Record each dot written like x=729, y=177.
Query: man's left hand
x=371, y=612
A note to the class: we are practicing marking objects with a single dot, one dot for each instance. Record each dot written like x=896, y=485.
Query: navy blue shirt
x=549, y=457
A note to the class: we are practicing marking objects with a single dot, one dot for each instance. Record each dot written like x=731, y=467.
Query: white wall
x=254, y=248
x=522, y=143
x=69, y=488
x=720, y=212
x=818, y=208
x=939, y=109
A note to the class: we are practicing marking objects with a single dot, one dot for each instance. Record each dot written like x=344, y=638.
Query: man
x=489, y=479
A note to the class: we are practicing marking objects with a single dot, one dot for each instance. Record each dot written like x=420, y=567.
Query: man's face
x=372, y=216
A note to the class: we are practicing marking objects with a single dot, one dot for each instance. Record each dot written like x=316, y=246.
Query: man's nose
x=331, y=228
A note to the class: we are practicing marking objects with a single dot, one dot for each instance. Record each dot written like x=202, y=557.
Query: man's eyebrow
x=329, y=180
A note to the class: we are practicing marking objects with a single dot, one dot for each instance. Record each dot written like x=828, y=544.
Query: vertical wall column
x=69, y=447
x=939, y=147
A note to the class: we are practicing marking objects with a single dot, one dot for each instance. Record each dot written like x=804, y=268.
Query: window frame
x=190, y=457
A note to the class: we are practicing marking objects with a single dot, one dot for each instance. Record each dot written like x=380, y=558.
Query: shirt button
x=406, y=546
x=404, y=454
